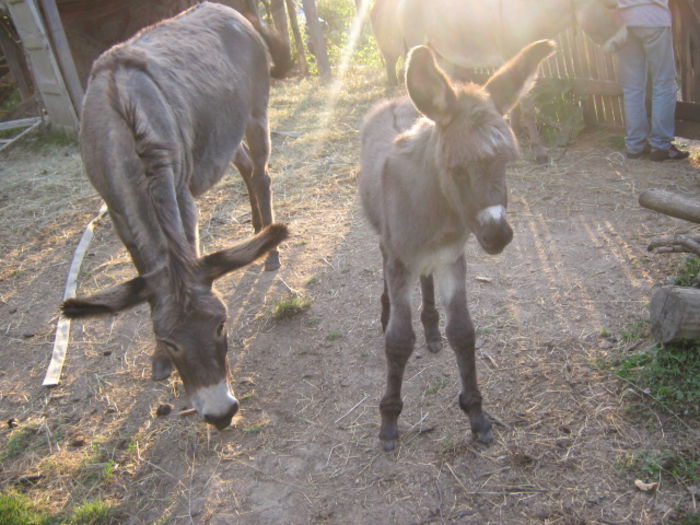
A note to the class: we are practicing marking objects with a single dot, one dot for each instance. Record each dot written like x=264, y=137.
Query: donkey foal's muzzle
x=494, y=233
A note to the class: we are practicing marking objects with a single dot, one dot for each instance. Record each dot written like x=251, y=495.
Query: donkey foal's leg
x=429, y=316
x=460, y=334
x=399, y=341
x=258, y=138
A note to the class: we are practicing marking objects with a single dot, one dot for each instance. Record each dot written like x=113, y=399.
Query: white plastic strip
x=60, y=343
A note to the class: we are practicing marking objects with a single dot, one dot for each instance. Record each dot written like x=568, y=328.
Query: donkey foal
x=426, y=184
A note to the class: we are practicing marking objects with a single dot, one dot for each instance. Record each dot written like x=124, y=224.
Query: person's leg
x=658, y=47
x=633, y=76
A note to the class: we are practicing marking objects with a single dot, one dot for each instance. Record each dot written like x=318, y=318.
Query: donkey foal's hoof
x=483, y=436
x=160, y=369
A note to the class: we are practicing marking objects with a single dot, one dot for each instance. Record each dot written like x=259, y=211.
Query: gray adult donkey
x=164, y=114
x=426, y=184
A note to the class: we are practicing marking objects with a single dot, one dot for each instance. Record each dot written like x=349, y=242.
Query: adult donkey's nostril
x=221, y=422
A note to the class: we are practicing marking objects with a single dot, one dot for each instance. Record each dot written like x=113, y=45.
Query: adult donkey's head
x=189, y=319
x=472, y=142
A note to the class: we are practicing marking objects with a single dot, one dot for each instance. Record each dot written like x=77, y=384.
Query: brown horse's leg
x=245, y=167
x=258, y=138
x=460, y=334
x=429, y=316
x=399, y=340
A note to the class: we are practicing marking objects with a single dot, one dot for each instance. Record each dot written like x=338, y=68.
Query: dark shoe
x=672, y=153
x=638, y=154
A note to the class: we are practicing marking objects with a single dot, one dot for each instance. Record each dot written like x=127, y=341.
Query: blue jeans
x=648, y=53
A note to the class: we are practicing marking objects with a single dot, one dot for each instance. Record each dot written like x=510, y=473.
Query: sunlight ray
x=338, y=81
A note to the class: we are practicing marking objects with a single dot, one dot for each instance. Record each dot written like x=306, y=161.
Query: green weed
x=670, y=373
x=559, y=115
x=334, y=336
x=92, y=513
x=689, y=273
x=682, y=467
x=19, y=441
x=436, y=386
x=18, y=509
x=290, y=306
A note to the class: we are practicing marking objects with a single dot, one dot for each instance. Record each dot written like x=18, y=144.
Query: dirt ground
x=304, y=448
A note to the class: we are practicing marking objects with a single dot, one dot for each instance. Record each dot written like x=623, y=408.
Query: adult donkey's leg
x=399, y=340
x=429, y=316
x=386, y=304
x=460, y=334
x=245, y=167
x=258, y=139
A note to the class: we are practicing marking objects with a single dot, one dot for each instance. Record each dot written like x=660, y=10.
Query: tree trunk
x=298, y=41
x=672, y=204
x=279, y=18
x=675, y=314
x=317, y=40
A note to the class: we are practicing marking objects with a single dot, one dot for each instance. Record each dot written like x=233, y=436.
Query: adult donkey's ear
x=428, y=86
x=509, y=83
x=109, y=301
x=136, y=291
x=219, y=263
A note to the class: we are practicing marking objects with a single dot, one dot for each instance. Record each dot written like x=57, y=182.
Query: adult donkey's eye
x=220, y=329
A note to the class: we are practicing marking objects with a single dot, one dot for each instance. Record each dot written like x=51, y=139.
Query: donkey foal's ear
x=428, y=86
x=508, y=84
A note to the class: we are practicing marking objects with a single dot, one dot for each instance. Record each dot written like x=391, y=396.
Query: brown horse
x=163, y=116
x=469, y=34
x=426, y=184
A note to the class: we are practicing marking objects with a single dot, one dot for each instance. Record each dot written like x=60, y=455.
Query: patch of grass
x=690, y=519
x=436, y=386
x=49, y=138
x=334, y=336
x=19, y=441
x=290, y=306
x=18, y=509
x=670, y=373
x=637, y=330
x=92, y=513
x=616, y=142
x=689, y=273
x=679, y=466
x=255, y=428
x=97, y=468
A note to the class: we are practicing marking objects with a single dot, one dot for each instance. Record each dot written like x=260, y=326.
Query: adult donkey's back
x=164, y=115
x=426, y=184
x=471, y=34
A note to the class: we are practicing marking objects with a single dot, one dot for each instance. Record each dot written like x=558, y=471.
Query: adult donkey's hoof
x=161, y=369
x=389, y=444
